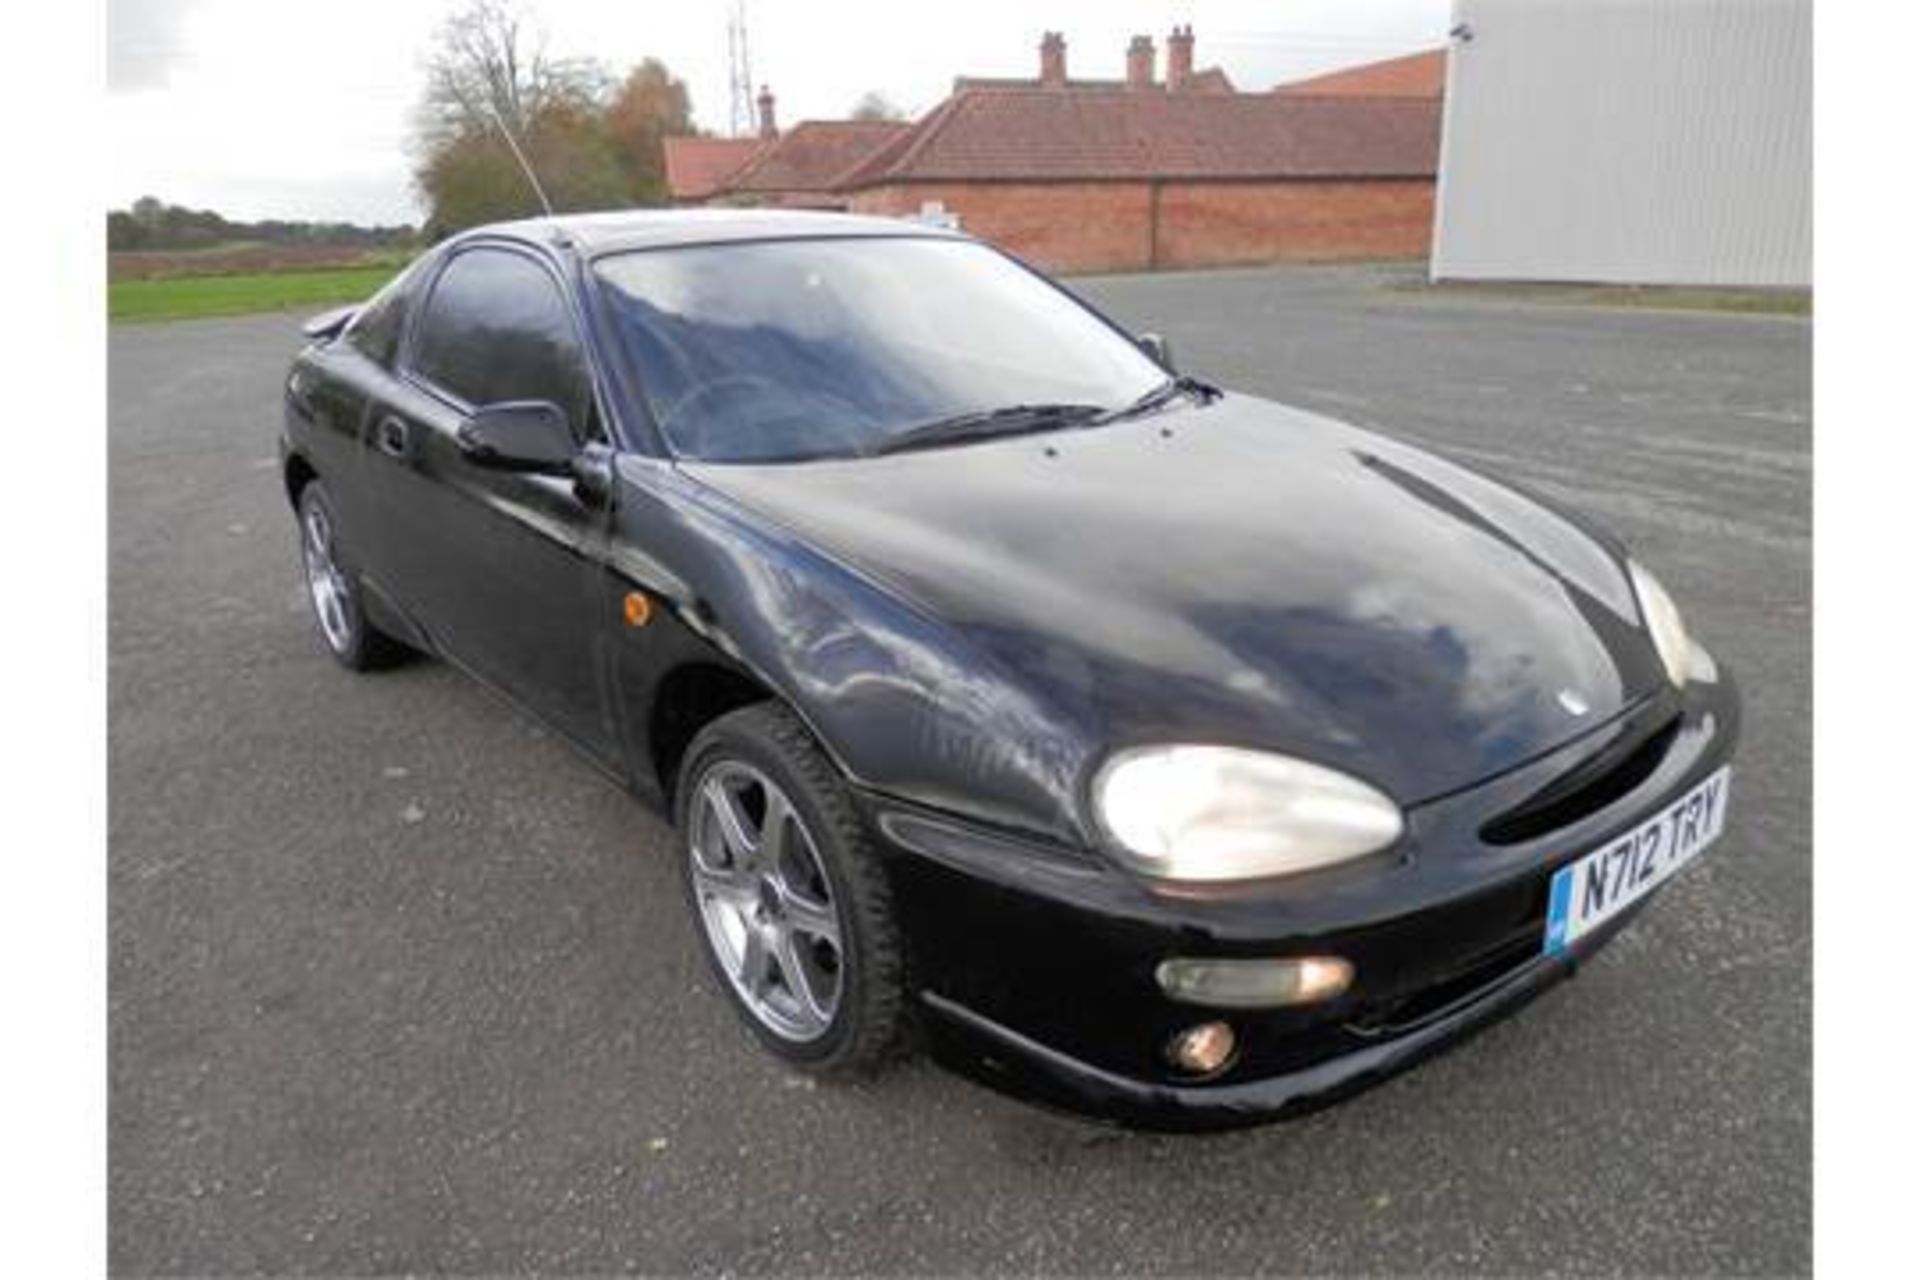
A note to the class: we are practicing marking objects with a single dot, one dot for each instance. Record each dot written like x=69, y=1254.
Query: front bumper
x=1037, y=965
x=1023, y=1067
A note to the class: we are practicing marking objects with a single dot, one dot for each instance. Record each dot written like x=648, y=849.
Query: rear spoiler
x=328, y=324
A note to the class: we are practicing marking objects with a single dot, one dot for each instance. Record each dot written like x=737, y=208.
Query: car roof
x=612, y=232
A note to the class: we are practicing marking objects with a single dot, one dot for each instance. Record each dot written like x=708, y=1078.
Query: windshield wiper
x=1008, y=420
x=1015, y=419
x=1164, y=394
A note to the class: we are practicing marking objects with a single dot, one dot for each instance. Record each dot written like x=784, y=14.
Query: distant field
x=243, y=276
x=245, y=258
x=184, y=297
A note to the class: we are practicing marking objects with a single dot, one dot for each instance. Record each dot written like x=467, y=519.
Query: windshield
x=821, y=348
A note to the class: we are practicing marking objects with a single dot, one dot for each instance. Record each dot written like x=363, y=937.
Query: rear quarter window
x=375, y=332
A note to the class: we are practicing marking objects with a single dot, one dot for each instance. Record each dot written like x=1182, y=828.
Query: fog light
x=1254, y=984
x=1203, y=1049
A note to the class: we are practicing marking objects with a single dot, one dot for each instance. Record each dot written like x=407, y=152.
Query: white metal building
x=1644, y=141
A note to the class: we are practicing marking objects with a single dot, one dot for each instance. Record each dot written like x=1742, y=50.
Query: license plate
x=1593, y=889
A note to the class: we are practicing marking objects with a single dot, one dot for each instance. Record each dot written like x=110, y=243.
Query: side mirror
x=1158, y=349
x=519, y=435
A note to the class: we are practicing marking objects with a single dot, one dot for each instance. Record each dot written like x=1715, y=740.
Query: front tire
x=788, y=895
x=334, y=590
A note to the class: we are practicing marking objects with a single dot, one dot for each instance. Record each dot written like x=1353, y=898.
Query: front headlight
x=1663, y=622
x=1222, y=813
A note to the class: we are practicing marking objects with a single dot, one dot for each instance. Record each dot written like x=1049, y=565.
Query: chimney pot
x=768, y=128
x=1053, y=60
x=1140, y=63
x=1179, y=57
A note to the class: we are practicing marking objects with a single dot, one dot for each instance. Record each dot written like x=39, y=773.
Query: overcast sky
x=300, y=108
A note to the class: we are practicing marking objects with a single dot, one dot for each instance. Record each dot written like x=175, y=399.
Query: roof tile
x=697, y=167
x=815, y=155
x=1042, y=135
x=1418, y=75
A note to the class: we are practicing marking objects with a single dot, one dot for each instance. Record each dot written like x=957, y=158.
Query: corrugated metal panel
x=1643, y=141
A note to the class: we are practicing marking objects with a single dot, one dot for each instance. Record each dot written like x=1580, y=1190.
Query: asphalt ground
x=399, y=984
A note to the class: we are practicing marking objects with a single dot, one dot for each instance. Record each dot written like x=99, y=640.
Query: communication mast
x=739, y=73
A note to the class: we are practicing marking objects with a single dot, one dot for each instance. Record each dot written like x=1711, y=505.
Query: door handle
x=391, y=436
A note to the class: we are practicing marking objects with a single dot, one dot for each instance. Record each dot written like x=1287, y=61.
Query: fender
x=903, y=704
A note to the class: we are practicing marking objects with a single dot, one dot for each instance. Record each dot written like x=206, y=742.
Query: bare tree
x=594, y=144
x=875, y=105
x=488, y=60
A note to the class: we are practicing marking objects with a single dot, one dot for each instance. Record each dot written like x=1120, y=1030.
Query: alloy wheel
x=325, y=582
x=765, y=901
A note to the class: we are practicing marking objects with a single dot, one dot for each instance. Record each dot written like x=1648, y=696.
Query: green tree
x=575, y=156
x=473, y=178
x=124, y=231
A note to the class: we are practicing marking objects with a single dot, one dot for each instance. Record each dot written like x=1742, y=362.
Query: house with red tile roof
x=1181, y=76
x=805, y=166
x=1129, y=174
x=1144, y=174
x=1418, y=75
x=700, y=169
x=697, y=168
x=800, y=167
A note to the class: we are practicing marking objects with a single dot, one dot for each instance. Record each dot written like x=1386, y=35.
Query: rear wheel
x=791, y=902
x=335, y=590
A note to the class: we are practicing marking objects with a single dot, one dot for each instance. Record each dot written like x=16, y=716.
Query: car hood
x=1245, y=573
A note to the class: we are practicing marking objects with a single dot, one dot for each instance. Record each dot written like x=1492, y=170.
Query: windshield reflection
x=829, y=347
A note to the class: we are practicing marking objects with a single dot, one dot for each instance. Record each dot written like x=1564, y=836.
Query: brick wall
x=1111, y=226
x=1218, y=223
x=1062, y=226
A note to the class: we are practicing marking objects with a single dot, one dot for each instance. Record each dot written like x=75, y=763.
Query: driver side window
x=496, y=327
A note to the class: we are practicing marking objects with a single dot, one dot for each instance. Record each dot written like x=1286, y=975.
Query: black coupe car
x=1137, y=746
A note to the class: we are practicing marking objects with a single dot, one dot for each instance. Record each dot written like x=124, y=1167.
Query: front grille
x=1411, y=1010
x=1625, y=762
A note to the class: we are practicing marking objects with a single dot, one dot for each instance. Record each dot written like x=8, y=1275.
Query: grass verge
x=1784, y=302
x=188, y=297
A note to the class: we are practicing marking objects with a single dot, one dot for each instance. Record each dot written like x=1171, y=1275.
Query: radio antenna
x=532, y=178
